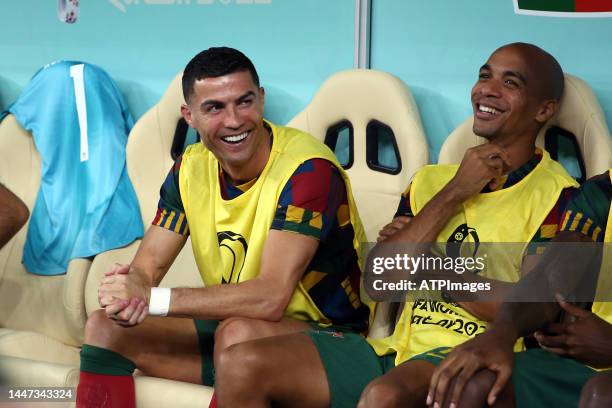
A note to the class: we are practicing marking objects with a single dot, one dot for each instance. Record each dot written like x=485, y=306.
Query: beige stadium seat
x=362, y=98
x=41, y=317
x=579, y=113
x=148, y=163
x=370, y=104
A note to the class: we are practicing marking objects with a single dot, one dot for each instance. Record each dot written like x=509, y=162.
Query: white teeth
x=488, y=109
x=236, y=138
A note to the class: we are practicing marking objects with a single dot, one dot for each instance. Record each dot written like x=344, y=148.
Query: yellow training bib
x=509, y=215
x=228, y=236
x=604, y=283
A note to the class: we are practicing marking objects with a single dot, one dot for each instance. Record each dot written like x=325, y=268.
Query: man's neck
x=519, y=151
x=252, y=170
x=238, y=177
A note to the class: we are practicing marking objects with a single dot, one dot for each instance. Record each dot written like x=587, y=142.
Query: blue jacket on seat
x=86, y=203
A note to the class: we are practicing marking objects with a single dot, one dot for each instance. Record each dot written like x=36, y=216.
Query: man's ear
x=262, y=94
x=186, y=113
x=547, y=110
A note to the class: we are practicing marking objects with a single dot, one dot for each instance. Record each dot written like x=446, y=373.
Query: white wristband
x=159, y=302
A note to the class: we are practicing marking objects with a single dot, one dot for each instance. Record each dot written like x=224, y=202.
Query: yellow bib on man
x=228, y=236
x=603, y=309
x=510, y=215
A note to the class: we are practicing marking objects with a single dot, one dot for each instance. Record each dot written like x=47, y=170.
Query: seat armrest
x=31, y=373
x=74, y=298
x=101, y=264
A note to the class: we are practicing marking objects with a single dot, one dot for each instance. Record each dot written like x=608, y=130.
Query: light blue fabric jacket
x=83, y=207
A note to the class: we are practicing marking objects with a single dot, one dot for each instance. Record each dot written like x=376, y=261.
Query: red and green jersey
x=588, y=211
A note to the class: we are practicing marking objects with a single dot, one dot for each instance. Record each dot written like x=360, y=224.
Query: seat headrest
x=579, y=113
x=382, y=102
x=149, y=145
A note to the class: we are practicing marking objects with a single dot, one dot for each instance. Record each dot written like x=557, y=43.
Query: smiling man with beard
x=275, y=235
x=505, y=190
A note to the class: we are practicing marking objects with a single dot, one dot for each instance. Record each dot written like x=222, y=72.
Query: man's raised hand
x=481, y=165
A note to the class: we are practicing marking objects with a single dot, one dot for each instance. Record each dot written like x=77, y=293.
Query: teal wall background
x=437, y=46
x=295, y=44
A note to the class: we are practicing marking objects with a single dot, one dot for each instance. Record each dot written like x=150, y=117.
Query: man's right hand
x=586, y=339
x=481, y=165
x=492, y=350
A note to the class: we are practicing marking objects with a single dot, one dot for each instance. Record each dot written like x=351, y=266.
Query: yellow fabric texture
x=604, y=283
x=228, y=236
x=509, y=215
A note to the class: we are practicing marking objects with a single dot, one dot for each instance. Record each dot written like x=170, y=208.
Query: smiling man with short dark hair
x=275, y=235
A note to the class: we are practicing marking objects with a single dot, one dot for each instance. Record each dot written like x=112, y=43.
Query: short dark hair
x=215, y=62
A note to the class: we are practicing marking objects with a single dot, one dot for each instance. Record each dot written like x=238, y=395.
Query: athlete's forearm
x=427, y=224
x=10, y=224
x=483, y=309
x=561, y=270
x=284, y=260
x=251, y=299
x=526, y=317
x=156, y=253
x=151, y=272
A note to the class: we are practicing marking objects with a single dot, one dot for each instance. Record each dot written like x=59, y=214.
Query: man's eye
x=510, y=83
x=483, y=76
x=213, y=109
x=246, y=102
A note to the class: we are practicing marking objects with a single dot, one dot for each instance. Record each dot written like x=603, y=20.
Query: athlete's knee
x=235, y=330
x=383, y=394
x=475, y=391
x=100, y=330
x=239, y=368
x=597, y=392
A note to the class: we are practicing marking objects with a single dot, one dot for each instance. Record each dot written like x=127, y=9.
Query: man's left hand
x=586, y=339
x=124, y=294
x=491, y=350
x=128, y=312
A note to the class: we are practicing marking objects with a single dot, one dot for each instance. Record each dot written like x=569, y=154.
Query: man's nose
x=491, y=87
x=232, y=118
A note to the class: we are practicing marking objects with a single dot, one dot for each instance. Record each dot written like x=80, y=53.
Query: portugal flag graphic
x=564, y=8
